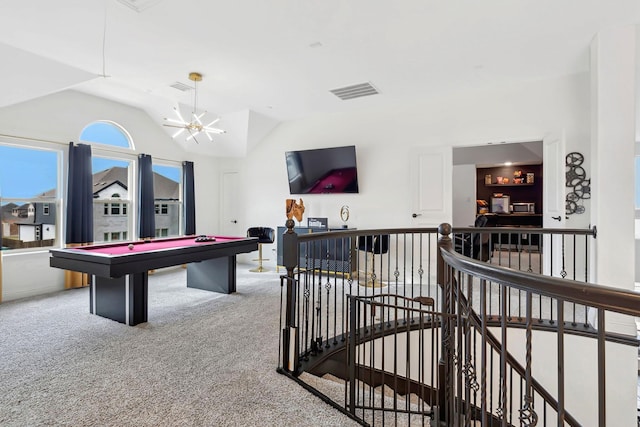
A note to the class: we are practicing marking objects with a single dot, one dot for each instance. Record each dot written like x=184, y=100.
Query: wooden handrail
x=311, y=295
x=529, y=230
x=598, y=296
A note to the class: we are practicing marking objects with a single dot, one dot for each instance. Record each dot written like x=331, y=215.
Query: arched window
x=108, y=133
x=112, y=172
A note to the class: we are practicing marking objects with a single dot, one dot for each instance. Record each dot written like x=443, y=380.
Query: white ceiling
x=495, y=154
x=277, y=60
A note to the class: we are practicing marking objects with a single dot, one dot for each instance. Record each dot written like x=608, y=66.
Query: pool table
x=119, y=282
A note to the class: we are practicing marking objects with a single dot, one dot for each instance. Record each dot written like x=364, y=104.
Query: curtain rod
x=106, y=148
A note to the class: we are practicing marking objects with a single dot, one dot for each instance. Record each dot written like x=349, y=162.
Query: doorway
x=229, y=214
x=466, y=162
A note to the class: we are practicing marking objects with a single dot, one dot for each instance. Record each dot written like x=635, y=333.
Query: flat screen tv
x=324, y=170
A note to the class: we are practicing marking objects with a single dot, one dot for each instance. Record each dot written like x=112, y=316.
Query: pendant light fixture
x=194, y=126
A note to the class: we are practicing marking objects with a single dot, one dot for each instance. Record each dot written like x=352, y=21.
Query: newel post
x=290, y=342
x=444, y=242
x=445, y=364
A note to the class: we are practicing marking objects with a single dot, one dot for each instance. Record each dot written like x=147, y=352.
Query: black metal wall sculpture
x=576, y=180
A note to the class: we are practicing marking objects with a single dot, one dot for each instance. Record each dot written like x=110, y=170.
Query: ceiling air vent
x=181, y=86
x=355, y=91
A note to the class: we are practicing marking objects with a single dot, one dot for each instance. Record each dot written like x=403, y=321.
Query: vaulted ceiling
x=267, y=61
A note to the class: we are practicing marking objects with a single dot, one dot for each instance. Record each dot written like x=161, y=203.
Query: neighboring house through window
x=162, y=232
x=29, y=194
x=167, y=188
x=110, y=212
x=112, y=173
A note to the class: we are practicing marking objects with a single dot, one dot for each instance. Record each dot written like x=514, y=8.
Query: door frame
x=223, y=227
x=560, y=185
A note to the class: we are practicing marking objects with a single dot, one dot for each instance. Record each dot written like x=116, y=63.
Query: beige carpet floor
x=202, y=359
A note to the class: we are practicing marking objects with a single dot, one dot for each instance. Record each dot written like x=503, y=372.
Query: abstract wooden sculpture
x=294, y=209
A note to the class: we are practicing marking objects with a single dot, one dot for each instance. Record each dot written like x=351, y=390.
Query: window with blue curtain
x=111, y=199
x=146, y=205
x=79, y=195
x=189, y=198
x=111, y=178
x=167, y=189
x=29, y=196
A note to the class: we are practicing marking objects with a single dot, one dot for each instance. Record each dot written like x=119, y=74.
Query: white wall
x=464, y=195
x=61, y=117
x=383, y=140
x=637, y=220
x=613, y=124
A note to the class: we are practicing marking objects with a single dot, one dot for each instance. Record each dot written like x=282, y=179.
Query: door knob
x=415, y=215
x=234, y=221
x=557, y=218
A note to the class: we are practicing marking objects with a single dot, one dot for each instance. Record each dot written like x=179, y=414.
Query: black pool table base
x=125, y=299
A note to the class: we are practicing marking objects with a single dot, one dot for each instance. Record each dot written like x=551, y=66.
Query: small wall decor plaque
x=317, y=222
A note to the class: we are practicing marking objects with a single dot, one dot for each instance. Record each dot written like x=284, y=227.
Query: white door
x=229, y=202
x=431, y=176
x=432, y=199
x=553, y=195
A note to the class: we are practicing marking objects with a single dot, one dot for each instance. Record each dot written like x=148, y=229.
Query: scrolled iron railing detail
x=327, y=296
x=501, y=410
x=468, y=368
x=469, y=371
x=563, y=271
x=528, y=416
x=455, y=358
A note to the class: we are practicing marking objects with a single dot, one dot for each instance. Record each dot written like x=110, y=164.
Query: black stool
x=264, y=235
